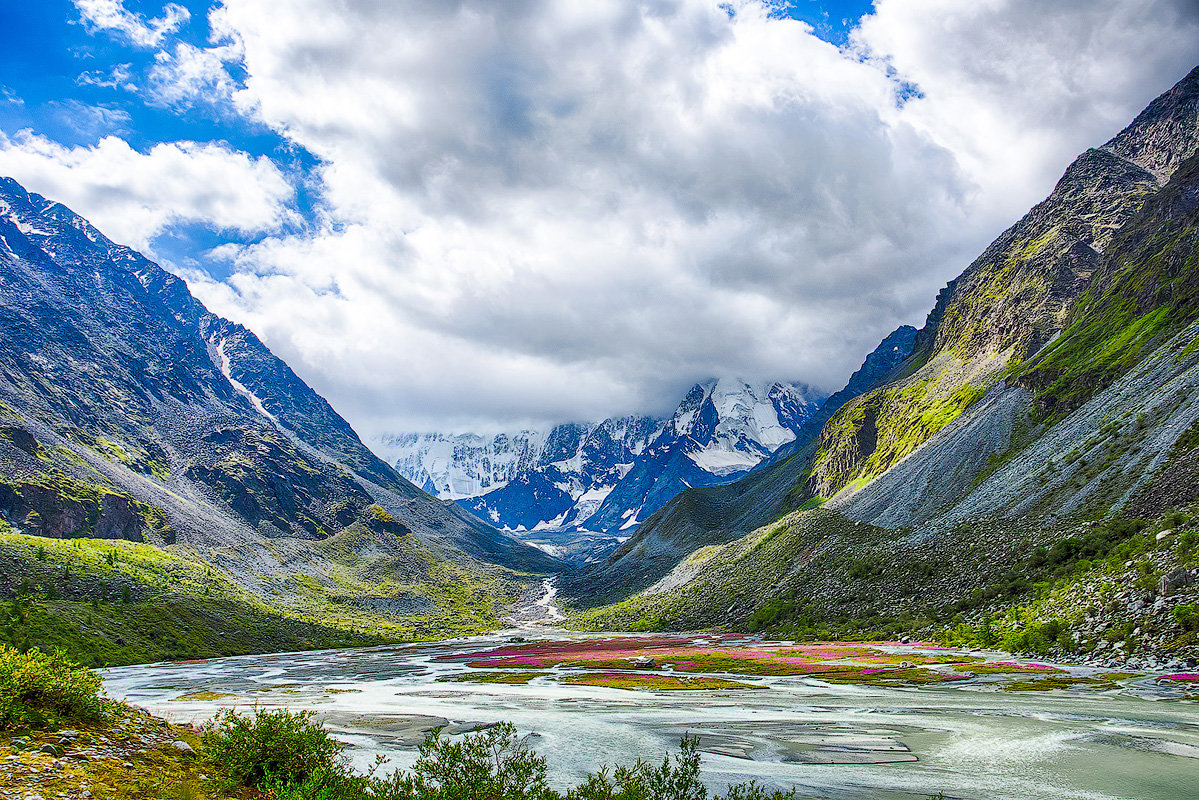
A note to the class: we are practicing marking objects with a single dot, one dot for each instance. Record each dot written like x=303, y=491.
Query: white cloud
x=111, y=15
x=544, y=210
x=188, y=75
x=91, y=122
x=133, y=196
x=116, y=77
x=1016, y=88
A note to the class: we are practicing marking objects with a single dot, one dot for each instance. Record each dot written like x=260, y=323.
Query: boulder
x=1174, y=580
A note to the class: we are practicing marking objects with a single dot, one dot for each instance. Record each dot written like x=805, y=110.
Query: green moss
x=891, y=676
x=1064, y=681
x=495, y=676
x=869, y=436
x=204, y=696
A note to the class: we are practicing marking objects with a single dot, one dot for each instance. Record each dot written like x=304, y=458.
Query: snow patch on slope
x=239, y=386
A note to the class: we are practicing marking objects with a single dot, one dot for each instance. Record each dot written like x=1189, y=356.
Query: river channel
x=966, y=740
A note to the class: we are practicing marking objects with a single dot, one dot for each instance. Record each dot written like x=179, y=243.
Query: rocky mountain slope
x=526, y=479
x=1033, y=456
x=127, y=410
x=607, y=476
x=717, y=514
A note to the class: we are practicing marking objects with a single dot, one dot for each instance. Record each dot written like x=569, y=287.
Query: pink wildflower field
x=729, y=653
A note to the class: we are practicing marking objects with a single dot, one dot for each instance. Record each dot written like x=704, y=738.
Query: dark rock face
x=66, y=510
x=123, y=399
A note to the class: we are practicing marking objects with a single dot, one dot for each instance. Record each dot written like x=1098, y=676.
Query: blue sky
x=486, y=215
x=74, y=84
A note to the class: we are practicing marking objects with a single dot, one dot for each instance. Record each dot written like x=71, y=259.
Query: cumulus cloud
x=1015, y=88
x=111, y=15
x=133, y=196
x=541, y=210
x=188, y=76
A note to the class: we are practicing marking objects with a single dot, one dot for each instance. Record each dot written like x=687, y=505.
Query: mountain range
x=607, y=476
x=1021, y=471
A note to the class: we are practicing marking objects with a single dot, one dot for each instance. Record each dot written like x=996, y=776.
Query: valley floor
x=844, y=719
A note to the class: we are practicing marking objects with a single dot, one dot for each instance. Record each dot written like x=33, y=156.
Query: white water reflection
x=967, y=740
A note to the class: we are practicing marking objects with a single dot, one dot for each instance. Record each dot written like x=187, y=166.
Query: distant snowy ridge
x=467, y=465
x=606, y=476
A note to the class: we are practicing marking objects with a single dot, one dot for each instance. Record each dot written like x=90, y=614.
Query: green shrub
x=38, y=689
x=1186, y=615
x=492, y=765
x=271, y=749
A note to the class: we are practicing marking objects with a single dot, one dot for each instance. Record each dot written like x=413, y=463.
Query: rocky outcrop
x=58, y=507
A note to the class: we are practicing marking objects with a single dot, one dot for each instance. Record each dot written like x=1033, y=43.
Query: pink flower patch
x=1014, y=665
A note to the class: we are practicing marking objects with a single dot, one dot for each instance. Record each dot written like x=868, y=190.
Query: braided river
x=1134, y=737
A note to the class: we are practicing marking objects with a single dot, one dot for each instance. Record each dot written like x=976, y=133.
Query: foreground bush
x=492, y=765
x=272, y=748
x=38, y=689
x=290, y=757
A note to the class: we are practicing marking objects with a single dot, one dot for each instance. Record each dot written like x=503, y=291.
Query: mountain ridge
x=1027, y=478
x=127, y=409
x=605, y=476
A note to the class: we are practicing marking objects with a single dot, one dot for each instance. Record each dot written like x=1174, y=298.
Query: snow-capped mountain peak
x=607, y=476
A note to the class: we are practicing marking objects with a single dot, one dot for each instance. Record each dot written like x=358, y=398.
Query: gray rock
x=184, y=748
x=1175, y=580
x=49, y=750
x=467, y=727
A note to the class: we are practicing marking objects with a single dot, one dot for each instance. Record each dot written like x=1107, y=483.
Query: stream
x=832, y=741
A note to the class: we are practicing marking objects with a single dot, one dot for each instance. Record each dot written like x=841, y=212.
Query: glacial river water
x=967, y=740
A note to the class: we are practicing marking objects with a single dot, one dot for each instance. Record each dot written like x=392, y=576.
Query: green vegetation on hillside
x=879, y=429
x=1147, y=291
x=110, y=602
x=817, y=576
